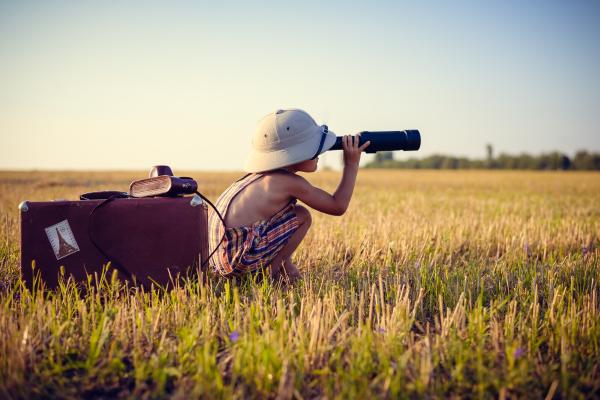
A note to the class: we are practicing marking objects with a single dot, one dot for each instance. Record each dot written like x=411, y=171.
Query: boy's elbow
x=339, y=211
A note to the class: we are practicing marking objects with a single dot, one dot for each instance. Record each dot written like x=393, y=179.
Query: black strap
x=224, y=227
x=117, y=264
x=323, y=136
x=113, y=260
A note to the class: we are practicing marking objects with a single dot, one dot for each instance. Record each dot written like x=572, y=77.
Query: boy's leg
x=284, y=255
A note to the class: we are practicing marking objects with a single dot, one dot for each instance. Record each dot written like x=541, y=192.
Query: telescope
x=408, y=140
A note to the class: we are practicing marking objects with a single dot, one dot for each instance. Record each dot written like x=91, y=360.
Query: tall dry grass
x=434, y=284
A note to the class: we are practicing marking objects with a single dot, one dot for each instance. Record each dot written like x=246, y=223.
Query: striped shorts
x=251, y=248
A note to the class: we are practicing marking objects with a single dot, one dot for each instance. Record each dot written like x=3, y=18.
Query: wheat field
x=434, y=284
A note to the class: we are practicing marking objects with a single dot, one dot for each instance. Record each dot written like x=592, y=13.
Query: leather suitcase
x=147, y=240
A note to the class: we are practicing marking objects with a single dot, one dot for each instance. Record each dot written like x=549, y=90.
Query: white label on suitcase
x=62, y=239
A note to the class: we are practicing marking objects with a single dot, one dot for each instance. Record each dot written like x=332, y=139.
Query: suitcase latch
x=23, y=206
x=196, y=201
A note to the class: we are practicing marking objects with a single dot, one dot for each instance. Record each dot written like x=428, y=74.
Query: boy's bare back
x=259, y=200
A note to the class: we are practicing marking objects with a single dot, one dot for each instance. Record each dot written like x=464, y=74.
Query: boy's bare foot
x=291, y=270
x=276, y=274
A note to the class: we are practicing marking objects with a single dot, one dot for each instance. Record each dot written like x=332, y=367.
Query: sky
x=127, y=85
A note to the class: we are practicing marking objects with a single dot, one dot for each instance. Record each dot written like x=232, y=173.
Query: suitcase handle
x=103, y=195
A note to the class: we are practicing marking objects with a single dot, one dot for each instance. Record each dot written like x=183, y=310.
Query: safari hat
x=287, y=137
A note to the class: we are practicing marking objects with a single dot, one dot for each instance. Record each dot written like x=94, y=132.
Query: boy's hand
x=351, y=149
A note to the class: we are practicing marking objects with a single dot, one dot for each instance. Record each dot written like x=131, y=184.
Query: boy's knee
x=303, y=215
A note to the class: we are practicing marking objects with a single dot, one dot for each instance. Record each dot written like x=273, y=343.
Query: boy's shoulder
x=282, y=176
x=284, y=180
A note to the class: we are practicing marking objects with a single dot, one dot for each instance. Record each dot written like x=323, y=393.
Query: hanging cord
x=118, y=265
x=224, y=227
x=114, y=261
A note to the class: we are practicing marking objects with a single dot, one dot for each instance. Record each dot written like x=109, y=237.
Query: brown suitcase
x=147, y=240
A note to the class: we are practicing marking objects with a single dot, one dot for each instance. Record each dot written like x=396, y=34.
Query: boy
x=263, y=224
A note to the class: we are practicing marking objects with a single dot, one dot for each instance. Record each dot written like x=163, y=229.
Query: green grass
x=434, y=284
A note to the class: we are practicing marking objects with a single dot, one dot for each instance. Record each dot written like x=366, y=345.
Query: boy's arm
x=320, y=200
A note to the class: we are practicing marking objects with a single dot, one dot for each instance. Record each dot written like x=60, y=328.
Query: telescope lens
x=413, y=140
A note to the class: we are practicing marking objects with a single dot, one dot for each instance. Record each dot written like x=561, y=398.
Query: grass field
x=434, y=284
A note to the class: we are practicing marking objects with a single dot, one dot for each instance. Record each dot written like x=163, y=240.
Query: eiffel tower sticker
x=62, y=239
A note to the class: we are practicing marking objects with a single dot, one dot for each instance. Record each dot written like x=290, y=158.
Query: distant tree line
x=583, y=160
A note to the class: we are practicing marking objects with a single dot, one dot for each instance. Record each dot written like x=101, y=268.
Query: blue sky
x=98, y=85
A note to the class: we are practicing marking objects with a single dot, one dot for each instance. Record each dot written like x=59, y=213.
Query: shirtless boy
x=263, y=223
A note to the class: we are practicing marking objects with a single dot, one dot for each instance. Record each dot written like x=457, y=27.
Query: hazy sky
x=86, y=85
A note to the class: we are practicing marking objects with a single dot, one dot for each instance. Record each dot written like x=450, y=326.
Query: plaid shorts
x=250, y=248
